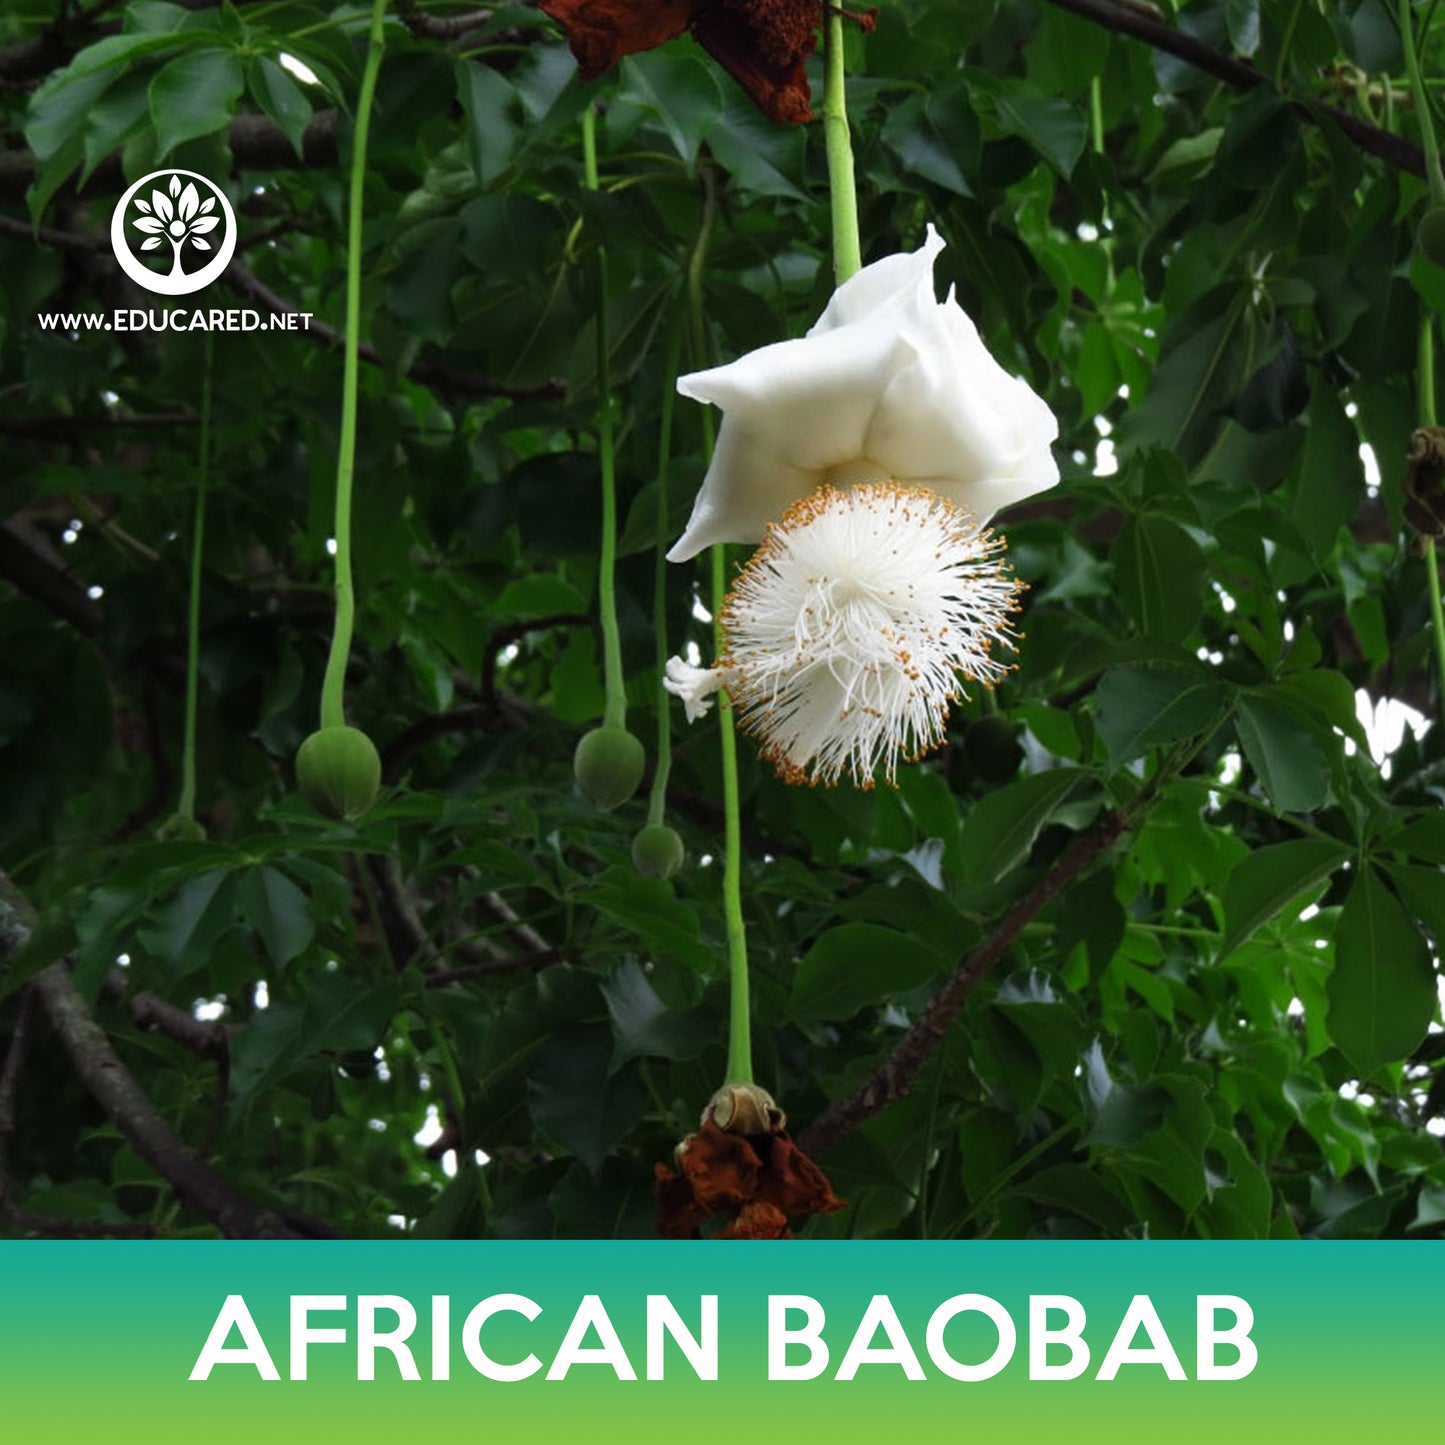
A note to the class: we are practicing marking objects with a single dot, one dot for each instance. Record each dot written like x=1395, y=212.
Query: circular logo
x=179, y=220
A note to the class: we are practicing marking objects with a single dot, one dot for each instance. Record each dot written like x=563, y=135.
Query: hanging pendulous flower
x=740, y=1174
x=850, y=630
x=762, y=44
x=890, y=384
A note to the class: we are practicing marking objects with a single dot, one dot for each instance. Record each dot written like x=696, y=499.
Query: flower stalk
x=1421, y=103
x=842, y=186
x=615, y=709
x=186, y=807
x=1426, y=383
x=740, y=1039
x=333, y=684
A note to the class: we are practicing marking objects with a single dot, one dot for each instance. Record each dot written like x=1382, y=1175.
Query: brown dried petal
x=601, y=32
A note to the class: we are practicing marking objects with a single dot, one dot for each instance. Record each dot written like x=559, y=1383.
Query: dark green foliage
x=1227, y=1026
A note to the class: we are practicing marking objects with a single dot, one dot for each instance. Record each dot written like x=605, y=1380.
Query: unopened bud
x=657, y=851
x=608, y=766
x=744, y=1109
x=338, y=771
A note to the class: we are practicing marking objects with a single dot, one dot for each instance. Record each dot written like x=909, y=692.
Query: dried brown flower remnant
x=758, y=1183
x=1424, y=483
x=762, y=44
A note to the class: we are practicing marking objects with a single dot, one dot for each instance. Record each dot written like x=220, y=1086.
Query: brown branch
x=1239, y=74
x=442, y=27
x=503, y=637
x=441, y=378
x=46, y=583
x=891, y=1079
x=257, y=144
x=153, y=1014
x=128, y=1106
x=446, y=976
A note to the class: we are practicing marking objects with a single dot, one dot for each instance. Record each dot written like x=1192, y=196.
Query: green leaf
x=340, y=1013
x=188, y=928
x=573, y=1094
x=1325, y=696
x=1053, y=127
x=680, y=90
x=1243, y=18
x=1002, y=827
x=642, y=1025
x=1270, y=878
x=279, y=911
x=1423, y=838
x=1285, y=755
x=1142, y=707
x=859, y=964
x=935, y=136
x=1161, y=575
x=1422, y=890
x=1382, y=988
x=281, y=98
x=193, y=96
x=1331, y=483
x=492, y=110
x=649, y=909
x=540, y=595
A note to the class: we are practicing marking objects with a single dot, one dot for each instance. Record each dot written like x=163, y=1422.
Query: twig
x=445, y=976
x=442, y=27
x=891, y=1079
x=504, y=637
x=46, y=583
x=1141, y=25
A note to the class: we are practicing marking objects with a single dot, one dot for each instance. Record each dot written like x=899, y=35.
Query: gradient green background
x=97, y=1341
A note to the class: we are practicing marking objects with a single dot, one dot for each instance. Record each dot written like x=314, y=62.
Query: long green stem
x=740, y=1033
x=740, y=1036
x=657, y=802
x=1426, y=383
x=615, y=710
x=1422, y=105
x=842, y=188
x=187, y=806
x=333, y=684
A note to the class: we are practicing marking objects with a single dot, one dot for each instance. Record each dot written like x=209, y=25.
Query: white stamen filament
x=849, y=631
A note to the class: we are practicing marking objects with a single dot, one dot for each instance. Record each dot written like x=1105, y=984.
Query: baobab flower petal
x=853, y=628
x=889, y=383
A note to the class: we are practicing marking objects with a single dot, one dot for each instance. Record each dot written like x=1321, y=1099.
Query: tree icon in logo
x=177, y=217
x=183, y=210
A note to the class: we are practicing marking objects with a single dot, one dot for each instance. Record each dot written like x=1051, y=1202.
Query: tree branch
x=46, y=583
x=257, y=144
x=115, y=1089
x=1141, y=25
x=891, y=1079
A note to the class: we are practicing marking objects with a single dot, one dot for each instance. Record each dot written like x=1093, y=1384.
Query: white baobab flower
x=177, y=217
x=889, y=385
x=852, y=629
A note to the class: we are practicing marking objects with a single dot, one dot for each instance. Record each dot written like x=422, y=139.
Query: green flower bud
x=1431, y=235
x=179, y=829
x=608, y=766
x=657, y=851
x=338, y=771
